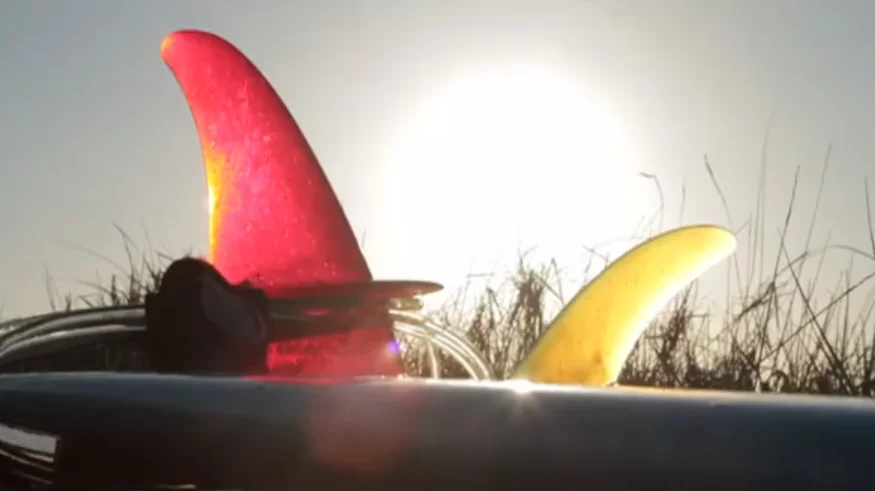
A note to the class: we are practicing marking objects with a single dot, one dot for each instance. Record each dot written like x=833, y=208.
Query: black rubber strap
x=199, y=322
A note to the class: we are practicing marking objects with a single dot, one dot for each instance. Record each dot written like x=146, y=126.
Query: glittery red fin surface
x=274, y=218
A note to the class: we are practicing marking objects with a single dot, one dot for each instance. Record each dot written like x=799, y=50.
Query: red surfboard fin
x=274, y=219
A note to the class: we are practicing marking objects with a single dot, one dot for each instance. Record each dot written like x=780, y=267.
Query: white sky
x=454, y=132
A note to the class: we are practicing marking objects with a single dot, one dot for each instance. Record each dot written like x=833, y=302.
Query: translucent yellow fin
x=590, y=339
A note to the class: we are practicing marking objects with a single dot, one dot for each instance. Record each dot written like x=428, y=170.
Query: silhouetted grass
x=773, y=336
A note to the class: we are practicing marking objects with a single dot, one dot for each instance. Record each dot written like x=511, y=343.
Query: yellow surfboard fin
x=590, y=339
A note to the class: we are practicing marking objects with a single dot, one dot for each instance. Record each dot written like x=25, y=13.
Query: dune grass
x=777, y=335
x=774, y=336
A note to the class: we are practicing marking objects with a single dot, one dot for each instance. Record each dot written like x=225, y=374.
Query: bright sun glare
x=501, y=160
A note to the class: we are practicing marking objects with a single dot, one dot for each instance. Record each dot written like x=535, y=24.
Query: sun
x=500, y=159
